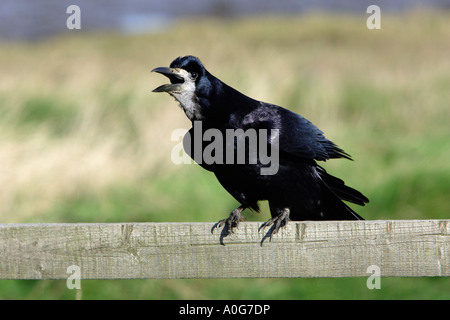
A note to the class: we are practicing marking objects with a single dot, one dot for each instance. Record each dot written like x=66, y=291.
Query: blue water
x=37, y=19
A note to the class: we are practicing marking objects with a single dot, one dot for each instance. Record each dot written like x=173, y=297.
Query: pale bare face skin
x=182, y=88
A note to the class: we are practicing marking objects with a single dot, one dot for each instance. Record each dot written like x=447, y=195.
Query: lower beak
x=174, y=76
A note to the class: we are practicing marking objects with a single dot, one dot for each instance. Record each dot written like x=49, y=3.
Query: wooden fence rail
x=403, y=248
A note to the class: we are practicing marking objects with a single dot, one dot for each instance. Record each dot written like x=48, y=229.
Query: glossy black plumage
x=300, y=189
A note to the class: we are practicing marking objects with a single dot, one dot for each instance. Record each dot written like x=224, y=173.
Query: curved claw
x=231, y=222
x=278, y=222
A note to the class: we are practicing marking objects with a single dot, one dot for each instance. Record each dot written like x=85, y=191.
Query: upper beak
x=175, y=79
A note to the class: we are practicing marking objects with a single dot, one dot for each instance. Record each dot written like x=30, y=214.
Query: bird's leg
x=278, y=222
x=232, y=221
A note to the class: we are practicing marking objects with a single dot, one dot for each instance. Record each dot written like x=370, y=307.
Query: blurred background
x=83, y=139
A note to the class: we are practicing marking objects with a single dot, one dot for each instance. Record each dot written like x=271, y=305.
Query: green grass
x=85, y=140
x=273, y=289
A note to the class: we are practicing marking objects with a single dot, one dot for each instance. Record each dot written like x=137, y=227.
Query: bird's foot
x=276, y=222
x=231, y=222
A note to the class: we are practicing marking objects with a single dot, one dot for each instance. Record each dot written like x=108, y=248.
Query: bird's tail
x=340, y=189
x=334, y=191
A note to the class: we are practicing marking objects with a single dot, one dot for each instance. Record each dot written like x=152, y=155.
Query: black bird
x=298, y=189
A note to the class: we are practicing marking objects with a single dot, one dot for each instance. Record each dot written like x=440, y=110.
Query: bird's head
x=189, y=81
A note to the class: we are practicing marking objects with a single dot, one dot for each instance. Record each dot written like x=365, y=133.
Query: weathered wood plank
x=406, y=248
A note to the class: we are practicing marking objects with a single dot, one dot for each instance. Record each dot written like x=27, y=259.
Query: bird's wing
x=297, y=137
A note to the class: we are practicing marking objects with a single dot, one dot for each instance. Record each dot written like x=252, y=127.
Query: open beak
x=175, y=77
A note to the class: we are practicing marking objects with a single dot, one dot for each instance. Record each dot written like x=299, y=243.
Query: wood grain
x=400, y=248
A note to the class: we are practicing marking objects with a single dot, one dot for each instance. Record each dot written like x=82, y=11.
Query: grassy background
x=83, y=139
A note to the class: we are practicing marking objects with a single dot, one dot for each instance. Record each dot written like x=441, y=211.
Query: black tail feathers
x=341, y=190
x=333, y=192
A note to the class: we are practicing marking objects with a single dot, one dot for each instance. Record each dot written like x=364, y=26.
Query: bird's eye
x=194, y=75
